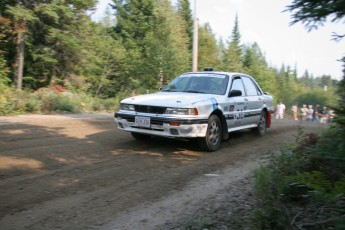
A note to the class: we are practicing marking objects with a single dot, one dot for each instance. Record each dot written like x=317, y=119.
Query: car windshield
x=199, y=83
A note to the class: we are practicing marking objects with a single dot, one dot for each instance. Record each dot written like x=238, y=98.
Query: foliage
x=4, y=71
x=315, y=13
x=340, y=108
x=307, y=182
x=145, y=46
x=48, y=101
x=198, y=222
x=208, y=51
x=233, y=55
x=185, y=13
x=309, y=175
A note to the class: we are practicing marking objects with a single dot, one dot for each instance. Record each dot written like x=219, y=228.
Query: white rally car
x=204, y=105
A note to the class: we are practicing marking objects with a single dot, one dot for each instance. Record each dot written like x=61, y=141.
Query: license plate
x=142, y=121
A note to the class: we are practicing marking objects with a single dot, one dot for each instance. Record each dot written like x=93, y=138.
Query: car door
x=237, y=105
x=254, y=100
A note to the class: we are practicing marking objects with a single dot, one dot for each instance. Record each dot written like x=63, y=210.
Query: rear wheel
x=140, y=137
x=262, y=126
x=211, y=142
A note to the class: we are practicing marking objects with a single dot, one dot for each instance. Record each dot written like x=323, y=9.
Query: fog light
x=121, y=125
x=174, y=123
x=174, y=131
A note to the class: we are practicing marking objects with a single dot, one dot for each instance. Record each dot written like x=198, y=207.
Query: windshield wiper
x=169, y=90
x=193, y=91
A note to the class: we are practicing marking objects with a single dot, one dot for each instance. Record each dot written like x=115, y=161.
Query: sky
x=264, y=22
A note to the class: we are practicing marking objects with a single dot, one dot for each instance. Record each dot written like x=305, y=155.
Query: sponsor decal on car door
x=238, y=105
x=254, y=101
x=237, y=113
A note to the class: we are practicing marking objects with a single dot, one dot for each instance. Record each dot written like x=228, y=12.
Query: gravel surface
x=79, y=172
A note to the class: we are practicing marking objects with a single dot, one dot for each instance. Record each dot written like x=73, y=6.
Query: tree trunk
x=20, y=56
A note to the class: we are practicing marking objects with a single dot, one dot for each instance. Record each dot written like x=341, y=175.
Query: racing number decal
x=238, y=113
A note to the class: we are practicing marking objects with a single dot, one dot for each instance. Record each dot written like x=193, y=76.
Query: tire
x=140, y=137
x=262, y=126
x=211, y=142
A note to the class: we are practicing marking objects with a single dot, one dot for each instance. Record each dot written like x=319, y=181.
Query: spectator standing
x=280, y=110
x=304, y=111
x=294, y=109
x=331, y=115
x=316, y=113
x=310, y=113
x=324, y=115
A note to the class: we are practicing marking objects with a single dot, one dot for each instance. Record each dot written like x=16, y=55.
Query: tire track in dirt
x=94, y=176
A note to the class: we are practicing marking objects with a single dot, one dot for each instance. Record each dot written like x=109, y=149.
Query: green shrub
x=12, y=102
x=59, y=103
x=47, y=101
x=33, y=104
x=308, y=177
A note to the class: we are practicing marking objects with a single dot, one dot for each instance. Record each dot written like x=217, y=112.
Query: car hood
x=169, y=99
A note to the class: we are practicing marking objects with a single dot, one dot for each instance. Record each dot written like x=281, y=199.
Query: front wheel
x=211, y=142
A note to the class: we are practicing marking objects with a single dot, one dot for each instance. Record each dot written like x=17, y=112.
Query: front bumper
x=172, y=127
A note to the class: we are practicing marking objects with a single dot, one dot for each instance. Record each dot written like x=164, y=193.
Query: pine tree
x=184, y=11
x=52, y=46
x=313, y=13
x=233, y=56
x=208, y=50
x=255, y=64
x=135, y=20
x=167, y=47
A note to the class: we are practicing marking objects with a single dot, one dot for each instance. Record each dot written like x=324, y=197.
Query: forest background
x=53, y=57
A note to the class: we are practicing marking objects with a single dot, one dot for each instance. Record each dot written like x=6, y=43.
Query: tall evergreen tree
x=233, y=55
x=255, y=64
x=154, y=36
x=220, y=53
x=167, y=47
x=102, y=75
x=208, y=49
x=52, y=44
x=135, y=20
x=184, y=11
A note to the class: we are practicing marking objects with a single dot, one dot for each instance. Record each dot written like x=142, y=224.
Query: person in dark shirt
x=316, y=113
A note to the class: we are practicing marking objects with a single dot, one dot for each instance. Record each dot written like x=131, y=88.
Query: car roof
x=218, y=72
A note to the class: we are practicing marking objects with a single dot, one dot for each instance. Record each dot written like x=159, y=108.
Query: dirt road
x=80, y=172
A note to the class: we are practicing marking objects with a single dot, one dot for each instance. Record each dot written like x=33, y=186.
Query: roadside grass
x=301, y=187
x=47, y=101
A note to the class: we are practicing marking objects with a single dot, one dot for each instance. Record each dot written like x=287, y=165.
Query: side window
x=238, y=85
x=251, y=88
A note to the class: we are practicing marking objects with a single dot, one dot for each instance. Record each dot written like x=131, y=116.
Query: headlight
x=182, y=111
x=127, y=107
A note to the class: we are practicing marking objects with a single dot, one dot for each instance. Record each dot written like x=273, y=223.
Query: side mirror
x=235, y=93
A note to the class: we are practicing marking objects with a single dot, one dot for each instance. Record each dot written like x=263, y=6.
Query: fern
x=318, y=186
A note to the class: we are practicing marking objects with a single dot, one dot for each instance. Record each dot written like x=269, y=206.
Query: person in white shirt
x=304, y=111
x=310, y=113
x=280, y=110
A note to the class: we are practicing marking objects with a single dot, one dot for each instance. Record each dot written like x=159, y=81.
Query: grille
x=149, y=109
